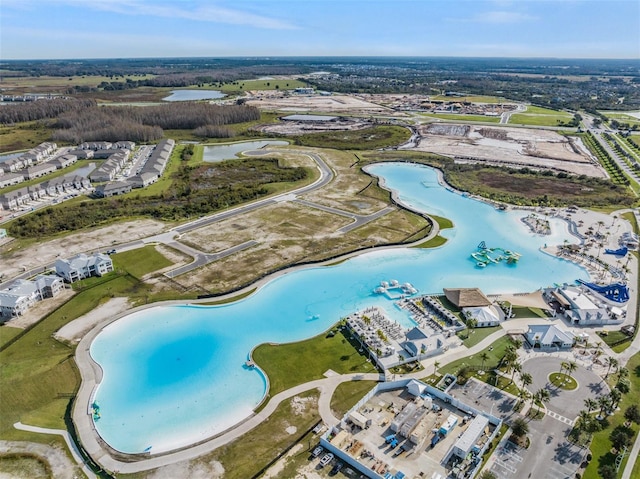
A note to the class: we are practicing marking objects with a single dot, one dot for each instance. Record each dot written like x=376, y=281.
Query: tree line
x=41, y=109
x=147, y=124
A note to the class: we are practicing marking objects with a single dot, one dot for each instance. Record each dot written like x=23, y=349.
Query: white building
x=83, y=266
x=581, y=306
x=21, y=294
x=548, y=336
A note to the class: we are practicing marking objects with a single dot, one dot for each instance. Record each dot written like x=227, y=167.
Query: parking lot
x=486, y=398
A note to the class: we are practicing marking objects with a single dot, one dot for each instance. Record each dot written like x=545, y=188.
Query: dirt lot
x=16, y=259
x=285, y=101
x=509, y=146
x=286, y=233
x=289, y=127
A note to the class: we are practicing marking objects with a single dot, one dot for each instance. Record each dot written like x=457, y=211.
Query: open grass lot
x=348, y=394
x=141, y=261
x=46, y=82
x=247, y=455
x=621, y=117
x=313, y=357
x=461, y=117
x=495, y=353
x=471, y=337
x=365, y=139
x=601, y=444
x=23, y=136
x=7, y=333
x=37, y=373
x=538, y=120
x=251, y=85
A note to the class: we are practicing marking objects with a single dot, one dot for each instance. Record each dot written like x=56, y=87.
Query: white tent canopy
x=415, y=388
x=484, y=314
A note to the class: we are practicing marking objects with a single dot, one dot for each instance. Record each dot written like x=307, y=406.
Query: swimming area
x=178, y=376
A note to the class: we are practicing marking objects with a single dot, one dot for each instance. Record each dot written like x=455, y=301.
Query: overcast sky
x=215, y=28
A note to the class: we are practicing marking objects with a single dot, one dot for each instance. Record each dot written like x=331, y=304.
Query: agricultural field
x=51, y=84
x=538, y=116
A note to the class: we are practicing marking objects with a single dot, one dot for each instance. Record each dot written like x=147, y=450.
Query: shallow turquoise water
x=175, y=375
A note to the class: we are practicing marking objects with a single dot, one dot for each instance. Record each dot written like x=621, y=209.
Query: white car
x=326, y=459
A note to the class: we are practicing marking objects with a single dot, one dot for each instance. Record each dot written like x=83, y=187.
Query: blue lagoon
x=178, y=376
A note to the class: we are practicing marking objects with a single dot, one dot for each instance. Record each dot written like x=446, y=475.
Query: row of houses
x=107, y=171
x=19, y=198
x=32, y=157
x=21, y=294
x=37, y=171
x=106, y=145
x=151, y=172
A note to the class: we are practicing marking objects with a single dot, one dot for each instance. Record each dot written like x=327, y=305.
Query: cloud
x=501, y=17
x=190, y=10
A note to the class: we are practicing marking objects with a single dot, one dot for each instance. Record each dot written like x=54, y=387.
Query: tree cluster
x=37, y=110
x=146, y=124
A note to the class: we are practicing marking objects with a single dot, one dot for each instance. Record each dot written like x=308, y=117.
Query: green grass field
x=456, y=117
x=22, y=136
x=472, y=337
x=9, y=83
x=349, y=393
x=250, y=85
x=141, y=261
x=537, y=120
x=313, y=357
x=7, y=333
x=601, y=444
x=495, y=353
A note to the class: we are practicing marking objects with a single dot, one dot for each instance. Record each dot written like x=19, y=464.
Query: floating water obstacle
x=485, y=255
x=95, y=411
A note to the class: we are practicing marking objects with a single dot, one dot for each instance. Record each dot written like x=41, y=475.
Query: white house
x=547, y=336
x=83, y=266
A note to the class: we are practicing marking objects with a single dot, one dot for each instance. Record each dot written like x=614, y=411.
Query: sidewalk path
x=67, y=438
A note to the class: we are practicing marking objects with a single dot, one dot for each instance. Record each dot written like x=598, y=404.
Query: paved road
x=67, y=438
x=564, y=403
x=614, y=155
x=358, y=220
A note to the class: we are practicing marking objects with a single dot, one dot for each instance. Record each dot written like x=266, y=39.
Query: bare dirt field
x=290, y=127
x=291, y=235
x=509, y=146
x=15, y=259
x=284, y=101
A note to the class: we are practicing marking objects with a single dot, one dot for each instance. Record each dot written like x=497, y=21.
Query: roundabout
x=565, y=401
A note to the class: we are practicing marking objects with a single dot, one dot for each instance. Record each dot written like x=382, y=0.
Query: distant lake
x=192, y=95
x=230, y=151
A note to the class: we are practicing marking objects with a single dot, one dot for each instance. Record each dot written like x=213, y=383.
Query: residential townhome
x=83, y=266
x=81, y=154
x=10, y=179
x=38, y=171
x=15, y=199
x=49, y=285
x=19, y=296
x=113, y=189
x=63, y=161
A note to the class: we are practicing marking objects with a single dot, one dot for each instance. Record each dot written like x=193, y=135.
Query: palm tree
x=515, y=367
x=517, y=343
x=584, y=420
x=605, y=404
x=436, y=365
x=611, y=363
x=526, y=379
x=563, y=365
x=591, y=404
x=483, y=357
x=544, y=395
x=519, y=427
x=622, y=373
x=571, y=367
x=615, y=396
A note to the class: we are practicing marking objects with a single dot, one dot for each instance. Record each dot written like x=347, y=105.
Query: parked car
x=317, y=451
x=326, y=459
x=336, y=469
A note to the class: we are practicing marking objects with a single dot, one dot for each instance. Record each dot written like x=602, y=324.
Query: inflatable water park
x=485, y=255
x=395, y=290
